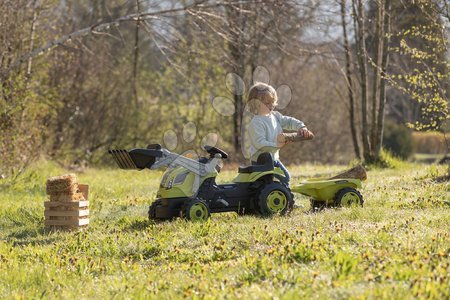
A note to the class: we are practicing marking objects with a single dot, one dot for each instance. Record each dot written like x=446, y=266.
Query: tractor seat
x=264, y=163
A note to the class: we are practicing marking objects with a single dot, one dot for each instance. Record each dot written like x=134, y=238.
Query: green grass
x=397, y=246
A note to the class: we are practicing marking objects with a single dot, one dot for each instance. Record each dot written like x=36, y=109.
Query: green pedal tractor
x=188, y=187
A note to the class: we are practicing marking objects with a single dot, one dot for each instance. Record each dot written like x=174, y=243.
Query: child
x=266, y=127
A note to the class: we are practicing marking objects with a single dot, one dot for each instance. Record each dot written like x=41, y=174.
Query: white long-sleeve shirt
x=263, y=132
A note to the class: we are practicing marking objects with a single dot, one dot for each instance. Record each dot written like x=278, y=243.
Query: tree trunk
x=237, y=122
x=384, y=63
x=32, y=34
x=238, y=55
x=361, y=46
x=348, y=73
x=136, y=55
x=378, y=56
x=30, y=61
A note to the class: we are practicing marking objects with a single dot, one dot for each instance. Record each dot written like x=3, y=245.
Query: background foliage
x=125, y=86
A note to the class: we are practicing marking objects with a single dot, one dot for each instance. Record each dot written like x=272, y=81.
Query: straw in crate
x=68, y=207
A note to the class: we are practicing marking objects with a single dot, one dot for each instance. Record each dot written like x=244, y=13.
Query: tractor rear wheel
x=348, y=197
x=275, y=198
x=197, y=210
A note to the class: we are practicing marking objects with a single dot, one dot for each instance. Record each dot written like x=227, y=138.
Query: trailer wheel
x=275, y=199
x=317, y=205
x=348, y=197
x=197, y=210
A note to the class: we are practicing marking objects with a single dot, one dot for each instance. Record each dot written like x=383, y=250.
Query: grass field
x=396, y=247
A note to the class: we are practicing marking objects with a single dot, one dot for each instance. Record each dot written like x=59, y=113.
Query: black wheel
x=160, y=211
x=348, y=197
x=197, y=210
x=317, y=205
x=275, y=198
x=152, y=209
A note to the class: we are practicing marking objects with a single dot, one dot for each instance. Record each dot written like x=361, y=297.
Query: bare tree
x=372, y=130
x=105, y=26
x=385, y=38
x=349, y=79
x=360, y=28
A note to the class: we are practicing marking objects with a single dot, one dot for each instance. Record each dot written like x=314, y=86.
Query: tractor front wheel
x=348, y=197
x=197, y=210
x=152, y=209
x=275, y=198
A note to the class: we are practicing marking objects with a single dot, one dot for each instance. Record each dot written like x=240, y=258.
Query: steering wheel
x=214, y=150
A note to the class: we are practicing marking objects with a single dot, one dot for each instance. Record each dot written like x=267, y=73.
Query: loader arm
x=159, y=158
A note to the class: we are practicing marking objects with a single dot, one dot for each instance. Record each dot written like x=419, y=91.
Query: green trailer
x=331, y=192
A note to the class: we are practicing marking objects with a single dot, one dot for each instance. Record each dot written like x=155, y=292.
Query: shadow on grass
x=140, y=224
x=317, y=210
x=31, y=236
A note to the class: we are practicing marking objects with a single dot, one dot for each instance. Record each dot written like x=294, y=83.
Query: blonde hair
x=261, y=93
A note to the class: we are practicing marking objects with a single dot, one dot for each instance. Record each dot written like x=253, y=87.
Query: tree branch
x=96, y=28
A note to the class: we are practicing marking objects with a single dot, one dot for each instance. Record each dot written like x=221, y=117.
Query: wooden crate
x=68, y=214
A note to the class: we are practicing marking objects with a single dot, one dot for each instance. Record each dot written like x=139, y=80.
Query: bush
x=429, y=142
x=387, y=161
x=397, y=139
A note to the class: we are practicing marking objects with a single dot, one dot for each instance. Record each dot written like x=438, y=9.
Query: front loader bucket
x=136, y=158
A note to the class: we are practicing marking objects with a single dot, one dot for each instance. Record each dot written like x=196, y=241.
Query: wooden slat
x=66, y=204
x=66, y=213
x=79, y=222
